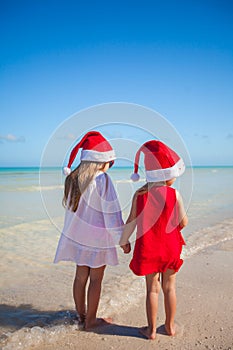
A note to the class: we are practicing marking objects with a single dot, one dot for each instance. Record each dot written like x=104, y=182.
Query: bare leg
x=93, y=297
x=153, y=289
x=79, y=290
x=169, y=290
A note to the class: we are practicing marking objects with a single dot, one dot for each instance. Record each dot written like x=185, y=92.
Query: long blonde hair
x=77, y=182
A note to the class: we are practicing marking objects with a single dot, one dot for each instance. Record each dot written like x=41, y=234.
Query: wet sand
x=204, y=314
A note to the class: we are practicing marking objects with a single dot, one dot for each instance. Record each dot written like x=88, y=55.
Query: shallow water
x=36, y=296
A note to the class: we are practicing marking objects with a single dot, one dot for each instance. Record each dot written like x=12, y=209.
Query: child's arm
x=129, y=227
x=183, y=219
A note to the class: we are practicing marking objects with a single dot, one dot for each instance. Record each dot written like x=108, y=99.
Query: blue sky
x=60, y=57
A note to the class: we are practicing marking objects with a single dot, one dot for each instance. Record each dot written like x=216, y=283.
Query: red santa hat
x=161, y=162
x=95, y=148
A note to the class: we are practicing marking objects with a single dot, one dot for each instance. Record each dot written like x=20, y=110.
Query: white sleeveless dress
x=90, y=235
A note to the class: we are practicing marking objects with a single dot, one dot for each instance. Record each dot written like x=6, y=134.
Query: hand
x=126, y=248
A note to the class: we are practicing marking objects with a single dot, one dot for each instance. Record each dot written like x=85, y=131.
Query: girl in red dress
x=158, y=213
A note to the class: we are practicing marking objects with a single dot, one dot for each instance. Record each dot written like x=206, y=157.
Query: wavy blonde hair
x=77, y=182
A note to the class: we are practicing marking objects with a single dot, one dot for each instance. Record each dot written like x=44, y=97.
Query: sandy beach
x=204, y=314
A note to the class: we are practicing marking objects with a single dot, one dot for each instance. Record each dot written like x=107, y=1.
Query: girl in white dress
x=93, y=223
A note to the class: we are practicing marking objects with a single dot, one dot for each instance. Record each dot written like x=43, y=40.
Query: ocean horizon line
x=56, y=168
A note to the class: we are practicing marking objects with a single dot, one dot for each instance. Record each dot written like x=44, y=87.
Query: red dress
x=159, y=241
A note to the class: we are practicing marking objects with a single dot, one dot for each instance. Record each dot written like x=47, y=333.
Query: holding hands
x=126, y=247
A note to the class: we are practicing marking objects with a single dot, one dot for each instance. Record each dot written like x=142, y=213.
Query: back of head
x=161, y=162
x=95, y=148
x=96, y=152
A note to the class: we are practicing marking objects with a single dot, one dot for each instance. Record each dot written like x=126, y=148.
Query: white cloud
x=12, y=138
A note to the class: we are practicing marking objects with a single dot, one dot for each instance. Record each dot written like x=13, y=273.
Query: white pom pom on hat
x=135, y=177
x=95, y=148
x=161, y=162
x=66, y=171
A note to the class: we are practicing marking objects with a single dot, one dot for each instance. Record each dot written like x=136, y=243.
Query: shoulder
x=139, y=193
x=100, y=178
x=142, y=190
x=103, y=179
x=170, y=190
x=178, y=197
x=177, y=193
x=104, y=185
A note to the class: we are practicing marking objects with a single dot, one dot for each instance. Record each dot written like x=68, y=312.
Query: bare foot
x=171, y=330
x=98, y=322
x=147, y=333
x=82, y=318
